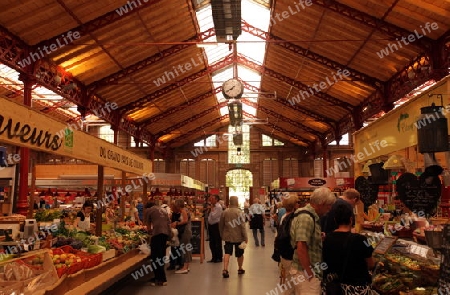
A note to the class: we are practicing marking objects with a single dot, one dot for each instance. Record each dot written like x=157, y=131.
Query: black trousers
x=158, y=251
x=215, y=242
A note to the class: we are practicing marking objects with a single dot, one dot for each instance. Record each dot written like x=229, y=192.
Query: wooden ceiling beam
x=228, y=60
x=300, y=86
x=180, y=107
x=196, y=130
x=132, y=69
x=368, y=20
x=97, y=23
x=192, y=119
x=280, y=129
x=278, y=115
x=316, y=116
x=354, y=74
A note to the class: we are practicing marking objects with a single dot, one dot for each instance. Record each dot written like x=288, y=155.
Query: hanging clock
x=232, y=89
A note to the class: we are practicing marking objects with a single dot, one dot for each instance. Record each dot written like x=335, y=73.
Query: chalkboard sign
x=197, y=239
x=367, y=190
x=419, y=195
x=385, y=245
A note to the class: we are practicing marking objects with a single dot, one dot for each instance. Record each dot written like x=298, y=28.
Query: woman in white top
x=133, y=213
x=83, y=221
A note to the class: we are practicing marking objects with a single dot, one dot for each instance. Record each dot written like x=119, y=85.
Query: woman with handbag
x=348, y=258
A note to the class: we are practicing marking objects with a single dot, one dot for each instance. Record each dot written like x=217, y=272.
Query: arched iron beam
x=316, y=116
x=228, y=60
x=354, y=74
x=115, y=77
x=424, y=43
x=196, y=130
x=264, y=70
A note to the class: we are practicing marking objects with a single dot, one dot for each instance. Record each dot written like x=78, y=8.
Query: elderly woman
x=233, y=232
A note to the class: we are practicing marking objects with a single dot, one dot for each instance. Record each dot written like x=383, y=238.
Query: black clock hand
x=230, y=89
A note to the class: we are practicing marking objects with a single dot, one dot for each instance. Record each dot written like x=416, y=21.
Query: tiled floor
x=261, y=276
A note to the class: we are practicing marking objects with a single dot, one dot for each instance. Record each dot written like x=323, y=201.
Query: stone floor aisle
x=261, y=276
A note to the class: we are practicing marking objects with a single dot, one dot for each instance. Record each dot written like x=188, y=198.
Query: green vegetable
x=96, y=249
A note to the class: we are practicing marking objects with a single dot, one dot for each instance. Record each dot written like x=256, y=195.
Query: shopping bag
x=144, y=247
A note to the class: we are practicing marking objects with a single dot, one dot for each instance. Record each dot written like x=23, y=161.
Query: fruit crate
x=74, y=267
x=90, y=259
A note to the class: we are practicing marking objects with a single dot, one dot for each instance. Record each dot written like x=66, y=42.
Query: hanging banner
x=398, y=129
x=23, y=126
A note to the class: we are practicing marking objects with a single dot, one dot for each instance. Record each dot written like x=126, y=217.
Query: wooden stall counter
x=98, y=279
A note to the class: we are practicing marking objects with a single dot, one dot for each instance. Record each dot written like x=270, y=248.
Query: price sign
x=385, y=244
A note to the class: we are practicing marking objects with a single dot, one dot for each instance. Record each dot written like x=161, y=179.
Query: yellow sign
x=398, y=129
x=22, y=126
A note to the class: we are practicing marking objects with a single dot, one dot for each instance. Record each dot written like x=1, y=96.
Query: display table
x=99, y=278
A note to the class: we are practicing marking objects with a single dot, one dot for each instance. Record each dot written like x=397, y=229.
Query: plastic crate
x=74, y=267
x=90, y=260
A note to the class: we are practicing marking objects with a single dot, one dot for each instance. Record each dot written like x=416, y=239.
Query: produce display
x=399, y=273
x=46, y=215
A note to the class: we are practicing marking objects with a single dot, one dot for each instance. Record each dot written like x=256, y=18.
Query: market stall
x=74, y=256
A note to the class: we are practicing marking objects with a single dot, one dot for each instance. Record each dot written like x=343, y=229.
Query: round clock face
x=232, y=88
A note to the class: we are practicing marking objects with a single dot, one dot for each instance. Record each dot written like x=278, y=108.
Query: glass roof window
x=247, y=45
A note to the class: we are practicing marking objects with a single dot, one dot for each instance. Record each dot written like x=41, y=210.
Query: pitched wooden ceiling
x=322, y=60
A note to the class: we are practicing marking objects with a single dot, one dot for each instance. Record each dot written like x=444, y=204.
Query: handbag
x=332, y=281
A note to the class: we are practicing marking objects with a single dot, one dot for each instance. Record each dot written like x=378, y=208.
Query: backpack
x=282, y=244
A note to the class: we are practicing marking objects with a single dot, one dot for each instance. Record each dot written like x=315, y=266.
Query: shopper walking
x=347, y=255
x=306, y=236
x=233, y=232
x=257, y=221
x=215, y=241
x=158, y=225
x=290, y=205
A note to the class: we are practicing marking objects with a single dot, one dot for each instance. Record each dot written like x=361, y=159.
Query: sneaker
x=180, y=271
x=162, y=283
x=152, y=282
x=225, y=274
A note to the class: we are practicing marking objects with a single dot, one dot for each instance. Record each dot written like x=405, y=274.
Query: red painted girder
x=115, y=77
x=298, y=108
x=192, y=119
x=198, y=129
x=180, y=107
x=280, y=129
x=354, y=74
x=56, y=79
x=283, y=118
x=261, y=69
x=12, y=49
x=373, y=22
x=228, y=60
x=99, y=23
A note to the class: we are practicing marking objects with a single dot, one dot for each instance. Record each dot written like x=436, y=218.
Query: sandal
x=241, y=271
x=225, y=274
